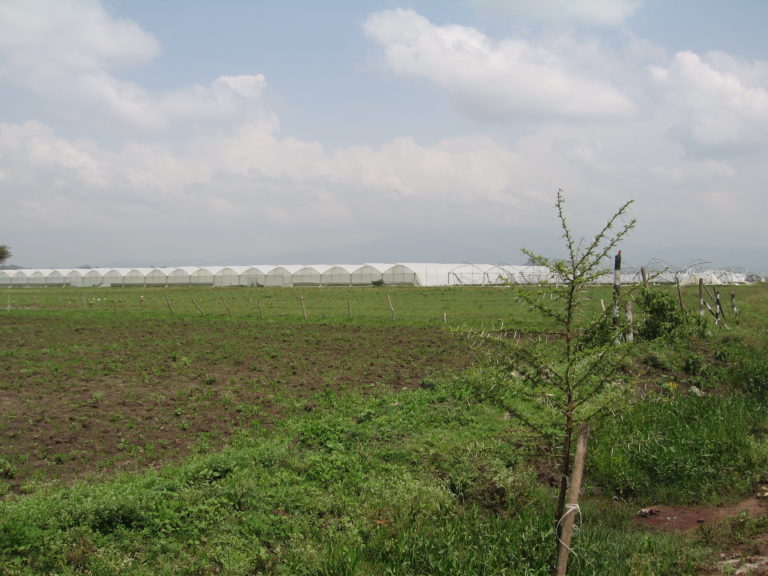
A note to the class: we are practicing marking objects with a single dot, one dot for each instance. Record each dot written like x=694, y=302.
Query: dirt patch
x=738, y=556
x=687, y=518
x=99, y=394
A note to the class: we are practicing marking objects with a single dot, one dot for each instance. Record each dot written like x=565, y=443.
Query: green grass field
x=352, y=431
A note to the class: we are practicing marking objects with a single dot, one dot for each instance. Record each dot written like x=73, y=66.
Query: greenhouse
x=394, y=274
x=306, y=276
x=338, y=275
x=280, y=275
x=73, y=278
x=156, y=277
x=177, y=276
x=251, y=276
x=366, y=275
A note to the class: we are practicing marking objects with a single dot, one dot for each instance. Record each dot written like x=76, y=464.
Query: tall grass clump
x=746, y=370
x=681, y=448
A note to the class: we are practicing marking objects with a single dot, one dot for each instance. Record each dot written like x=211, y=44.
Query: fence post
x=225, y=306
x=616, y=294
x=392, y=308
x=198, y=307
x=718, y=309
x=680, y=295
x=572, y=502
x=630, y=335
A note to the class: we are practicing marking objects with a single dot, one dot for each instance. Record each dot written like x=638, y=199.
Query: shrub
x=663, y=316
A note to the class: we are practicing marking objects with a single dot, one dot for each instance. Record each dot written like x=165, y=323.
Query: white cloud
x=506, y=79
x=590, y=12
x=43, y=42
x=718, y=100
x=207, y=167
x=67, y=51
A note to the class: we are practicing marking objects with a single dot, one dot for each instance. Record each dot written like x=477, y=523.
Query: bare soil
x=736, y=555
x=688, y=518
x=87, y=395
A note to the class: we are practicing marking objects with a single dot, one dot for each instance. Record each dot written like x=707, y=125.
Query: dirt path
x=744, y=558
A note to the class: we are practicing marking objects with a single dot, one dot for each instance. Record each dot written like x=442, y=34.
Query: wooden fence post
x=225, y=306
x=572, y=501
x=198, y=307
x=617, y=294
x=680, y=294
x=392, y=308
x=630, y=334
x=303, y=307
x=718, y=308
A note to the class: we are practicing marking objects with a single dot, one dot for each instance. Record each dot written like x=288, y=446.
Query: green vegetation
x=682, y=448
x=137, y=439
x=573, y=372
x=5, y=253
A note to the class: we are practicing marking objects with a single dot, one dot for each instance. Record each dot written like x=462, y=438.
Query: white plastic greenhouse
x=393, y=274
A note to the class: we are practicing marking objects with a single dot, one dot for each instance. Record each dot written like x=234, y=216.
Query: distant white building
x=391, y=274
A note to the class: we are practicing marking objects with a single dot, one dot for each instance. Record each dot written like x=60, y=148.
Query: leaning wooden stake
x=572, y=502
x=392, y=308
x=303, y=307
x=261, y=313
x=167, y=303
x=198, y=307
x=680, y=295
x=225, y=306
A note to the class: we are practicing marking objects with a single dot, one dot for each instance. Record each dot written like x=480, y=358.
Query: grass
x=374, y=484
x=682, y=448
x=218, y=444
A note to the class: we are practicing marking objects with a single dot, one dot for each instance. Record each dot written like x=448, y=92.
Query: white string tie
x=569, y=509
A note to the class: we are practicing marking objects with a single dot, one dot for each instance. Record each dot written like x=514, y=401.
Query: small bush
x=663, y=316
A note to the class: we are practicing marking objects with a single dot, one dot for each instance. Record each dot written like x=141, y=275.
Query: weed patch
x=681, y=449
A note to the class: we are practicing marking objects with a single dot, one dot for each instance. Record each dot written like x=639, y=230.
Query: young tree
x=568, y=380
x=5, y=253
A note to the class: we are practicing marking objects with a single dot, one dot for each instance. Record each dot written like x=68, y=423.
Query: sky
x=170, y=132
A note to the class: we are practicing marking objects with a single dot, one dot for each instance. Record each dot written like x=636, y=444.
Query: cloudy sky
x=162, y=132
